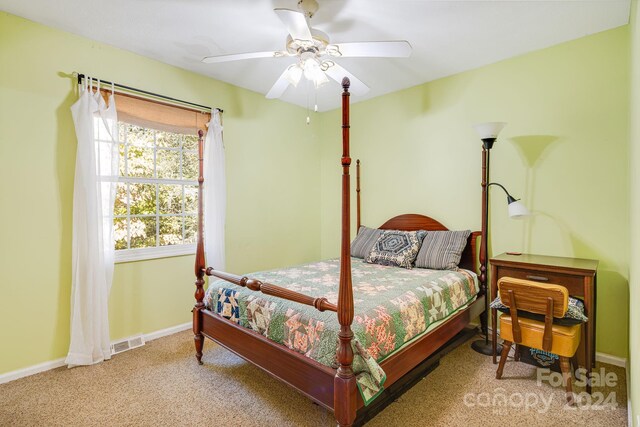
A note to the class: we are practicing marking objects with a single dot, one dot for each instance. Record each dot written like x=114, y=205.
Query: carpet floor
x=161, y=384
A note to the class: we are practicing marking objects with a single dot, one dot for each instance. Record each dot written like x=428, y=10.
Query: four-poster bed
x=335, y=387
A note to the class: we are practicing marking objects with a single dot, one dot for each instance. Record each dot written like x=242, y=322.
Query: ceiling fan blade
x=295, y=22
x=337, y=73
x=279, y=87
x=389, y=49
x=241, y=56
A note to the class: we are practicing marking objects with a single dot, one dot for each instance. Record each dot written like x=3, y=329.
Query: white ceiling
x=448, y=37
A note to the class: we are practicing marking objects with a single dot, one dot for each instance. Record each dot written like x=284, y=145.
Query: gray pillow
x=398, y=248
x=441, y=250
x=364, y=241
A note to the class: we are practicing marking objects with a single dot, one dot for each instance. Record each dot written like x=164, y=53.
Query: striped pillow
x=441, y=250
x=364, y=241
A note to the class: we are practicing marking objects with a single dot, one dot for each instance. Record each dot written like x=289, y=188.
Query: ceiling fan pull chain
x=315, y=103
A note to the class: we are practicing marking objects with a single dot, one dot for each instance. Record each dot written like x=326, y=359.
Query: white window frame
x=153, y=252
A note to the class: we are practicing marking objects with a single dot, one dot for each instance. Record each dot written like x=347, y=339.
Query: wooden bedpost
x=345, y=382
x=200, y=262
x=358, y=195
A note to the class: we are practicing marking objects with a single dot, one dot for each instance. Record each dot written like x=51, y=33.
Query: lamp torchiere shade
x=489, y=129
x=489, y=132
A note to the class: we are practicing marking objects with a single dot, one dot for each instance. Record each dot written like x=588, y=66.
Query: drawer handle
x=538, y=278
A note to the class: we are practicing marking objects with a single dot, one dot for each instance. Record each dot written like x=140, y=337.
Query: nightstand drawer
x=574, y=284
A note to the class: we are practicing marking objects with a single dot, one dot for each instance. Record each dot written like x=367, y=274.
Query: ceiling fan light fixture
x=294, y=74
x=321, y=79
x=313, y=72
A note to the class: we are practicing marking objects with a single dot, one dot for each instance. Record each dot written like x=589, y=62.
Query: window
x=155, y=211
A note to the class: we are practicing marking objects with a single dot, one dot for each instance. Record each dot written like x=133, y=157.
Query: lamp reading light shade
x=517, y=210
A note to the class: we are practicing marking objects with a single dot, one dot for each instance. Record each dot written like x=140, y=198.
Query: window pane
x=140, y=136
x=121, y=202
x=123, y=158
x=191, y=198
x=143, y=232
x=170, y=230
x=190, y=229
x=168, y=164
x=166, y=139
x=140, y=161
x=120, y=233
x=122, y=129
x=155, y=155
x=170, y=199
x=143, y=199
x=189, y=166
x=190, y=142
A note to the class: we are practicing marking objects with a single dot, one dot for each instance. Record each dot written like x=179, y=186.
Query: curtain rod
x=141, y=91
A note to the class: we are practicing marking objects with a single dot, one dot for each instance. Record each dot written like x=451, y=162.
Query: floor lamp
x=488, y=134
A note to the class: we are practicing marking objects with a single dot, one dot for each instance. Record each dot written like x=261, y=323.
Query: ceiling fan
x=316, y=53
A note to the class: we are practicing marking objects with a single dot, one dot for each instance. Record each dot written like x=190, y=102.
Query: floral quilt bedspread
x=392, y=306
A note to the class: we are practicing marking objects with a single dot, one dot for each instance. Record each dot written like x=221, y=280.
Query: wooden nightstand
x=576, y=274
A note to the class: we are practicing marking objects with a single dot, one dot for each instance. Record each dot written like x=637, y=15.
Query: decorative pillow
x=573, y=316
x=395, y=247
x=364, y=241
x=441, y=250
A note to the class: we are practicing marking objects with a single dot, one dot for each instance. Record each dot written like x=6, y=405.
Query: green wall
x=634, y=282
x=272, y=171
x=564, y=152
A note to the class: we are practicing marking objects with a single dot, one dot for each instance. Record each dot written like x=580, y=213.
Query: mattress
x=392, y=306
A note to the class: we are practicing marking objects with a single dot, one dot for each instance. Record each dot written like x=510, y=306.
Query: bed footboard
x=321, y=304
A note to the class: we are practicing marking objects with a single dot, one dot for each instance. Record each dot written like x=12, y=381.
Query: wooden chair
x=539, y=298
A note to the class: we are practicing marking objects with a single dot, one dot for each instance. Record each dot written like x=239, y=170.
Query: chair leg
x=566, y=376
x=574, y=364
x=516, y=356
x=506, y=346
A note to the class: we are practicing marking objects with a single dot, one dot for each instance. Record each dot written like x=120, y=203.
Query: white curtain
x=215, y=194
x=97, y=158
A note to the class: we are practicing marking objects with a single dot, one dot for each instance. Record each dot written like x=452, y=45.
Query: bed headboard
x=413, y=222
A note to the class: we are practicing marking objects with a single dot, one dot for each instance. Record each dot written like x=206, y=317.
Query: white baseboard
x=57, y=363
x=611, y=359
x=168, y=331
x=31, y=370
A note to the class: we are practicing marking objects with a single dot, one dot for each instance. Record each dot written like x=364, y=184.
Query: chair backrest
x=533, y=296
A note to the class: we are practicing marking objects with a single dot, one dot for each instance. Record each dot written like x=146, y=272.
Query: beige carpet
x=161, y=384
